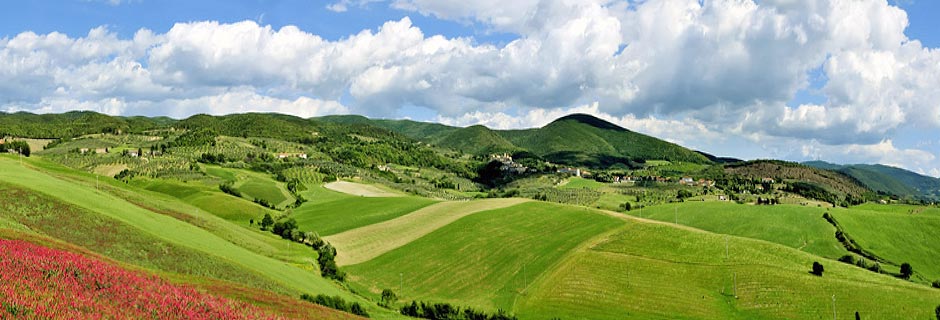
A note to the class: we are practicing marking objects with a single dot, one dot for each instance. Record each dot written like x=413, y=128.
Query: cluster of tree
x=212, y=158
x=18, y=146
x=861, y=263
x=445, y=311
x=195, y=138
x=326, y=253
x=337, y=303
x=294, y=186
x=683, y=194
x=388, y=297
x=326, y=257
x=229, y=188
x=813, y=191
x=265, y=203
x=348, y=149
x=125, y=175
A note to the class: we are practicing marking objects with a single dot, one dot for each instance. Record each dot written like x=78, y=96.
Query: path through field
x=359, y=189
x=363, y=244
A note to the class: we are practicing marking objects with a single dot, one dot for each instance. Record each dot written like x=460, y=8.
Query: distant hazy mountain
x=888, y=179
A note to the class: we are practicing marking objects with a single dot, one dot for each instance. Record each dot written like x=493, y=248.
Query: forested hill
x=576, y=139
x=887, y=179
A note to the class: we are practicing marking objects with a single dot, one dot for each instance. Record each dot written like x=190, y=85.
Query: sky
x=844, y=81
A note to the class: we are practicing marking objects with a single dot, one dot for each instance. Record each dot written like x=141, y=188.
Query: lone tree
x=818, y=268
x=388, y=297
x=906, y=270
x=266, y=221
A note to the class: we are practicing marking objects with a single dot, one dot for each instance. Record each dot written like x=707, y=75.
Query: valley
x=288, y=215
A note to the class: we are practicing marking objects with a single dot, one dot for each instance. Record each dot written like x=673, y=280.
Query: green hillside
x=887, y=179
x=655, y=271
x=798, y=227
x=586, y=140
x=897, y=234
x=486, y=259
x=475, y=140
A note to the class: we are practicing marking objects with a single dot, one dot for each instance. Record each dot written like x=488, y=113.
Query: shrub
x=227, y=187
x=906, y=270
x=448, y=311
x=336, y=302
x=818, y=268
x=875, y=267
x=850, y=259
x=388, y=297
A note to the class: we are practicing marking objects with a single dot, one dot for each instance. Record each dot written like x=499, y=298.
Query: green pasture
x=347, y=213
x=794, y=226
x=656, y=271
x=897, y=235
x=581, y=183
x=484, y=260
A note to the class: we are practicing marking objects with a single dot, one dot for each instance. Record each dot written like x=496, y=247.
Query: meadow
x=898, y=234
x=225, y=242
x=341, y=213
x=484, y=260
x=654, y=271
x=799, y=227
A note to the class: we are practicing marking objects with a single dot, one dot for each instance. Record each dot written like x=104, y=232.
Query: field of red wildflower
x=42, y=283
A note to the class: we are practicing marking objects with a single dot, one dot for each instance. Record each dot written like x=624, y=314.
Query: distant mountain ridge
x=888, y=179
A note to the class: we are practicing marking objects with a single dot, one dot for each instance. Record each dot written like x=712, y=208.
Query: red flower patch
x=43, y=283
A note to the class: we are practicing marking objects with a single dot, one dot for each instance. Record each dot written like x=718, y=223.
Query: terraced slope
x=363, y=244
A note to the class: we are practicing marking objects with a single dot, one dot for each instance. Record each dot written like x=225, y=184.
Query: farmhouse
x=284, y=155
x=767, y=180
x=573, y=171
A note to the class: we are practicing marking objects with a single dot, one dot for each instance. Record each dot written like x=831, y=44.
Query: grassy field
x=347, y=213
x=73, y=190
x=359, y=189
x=207, y=198
x=898, y=235
x=656, y=271
x=486, y=259
x=362, y=244
x=794, y=226
x=581, y=183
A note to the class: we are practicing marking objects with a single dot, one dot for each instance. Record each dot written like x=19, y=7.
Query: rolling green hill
x=586, y=140
x=476, y=140
x=656, y=271
x=833, y=186
x=887, y=179
x=576, y=139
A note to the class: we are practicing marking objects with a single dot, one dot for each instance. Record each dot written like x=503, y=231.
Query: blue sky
x=853, y=89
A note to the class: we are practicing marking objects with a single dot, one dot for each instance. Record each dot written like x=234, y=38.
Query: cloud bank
x=702, y=68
